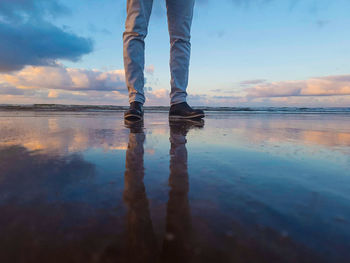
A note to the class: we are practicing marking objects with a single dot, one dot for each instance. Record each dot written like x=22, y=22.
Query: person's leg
x=180, y=13
x=138, y=14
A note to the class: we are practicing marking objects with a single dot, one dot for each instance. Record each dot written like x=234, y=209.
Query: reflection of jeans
x=141, y=242
x=180, y=14
x=177, y=243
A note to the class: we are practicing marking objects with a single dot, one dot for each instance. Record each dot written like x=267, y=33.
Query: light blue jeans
x=180, y=13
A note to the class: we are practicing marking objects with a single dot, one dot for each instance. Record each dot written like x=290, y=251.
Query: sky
x=255, y=53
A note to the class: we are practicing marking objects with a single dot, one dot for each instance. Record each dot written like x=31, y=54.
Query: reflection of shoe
x=183, y=126
x=184, y=111
x=135, y=112
x=134, y=126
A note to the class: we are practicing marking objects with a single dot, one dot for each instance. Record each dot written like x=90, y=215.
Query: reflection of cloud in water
x=61, y=135
x=68, y=134
x=53, y=125
x=326, y=138
x=283, y=134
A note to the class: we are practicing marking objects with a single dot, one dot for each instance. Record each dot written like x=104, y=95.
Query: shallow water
x=242, y=187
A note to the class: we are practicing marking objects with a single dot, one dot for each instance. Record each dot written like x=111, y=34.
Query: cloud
x=38, y=45
x=10, y=90
x=157, y=97
x=322, y=23
x=251, y=82
x=52, y=94
x=60, y=84
x=149, y=69
x=227, y=97
x=328, y=91
x=27, y=38
x=18, y=10
x=94, y=29
x=321, y=86
x=63, y=78
x=216, y=90
x=312, y=6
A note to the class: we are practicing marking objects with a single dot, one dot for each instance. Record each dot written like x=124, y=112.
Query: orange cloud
x=322, y=86
x=52, y=94
x=60, y=77
x=149, y=69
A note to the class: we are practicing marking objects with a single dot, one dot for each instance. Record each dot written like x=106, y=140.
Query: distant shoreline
x=97, y=108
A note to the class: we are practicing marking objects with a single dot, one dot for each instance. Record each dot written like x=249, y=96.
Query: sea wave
x=93, y=108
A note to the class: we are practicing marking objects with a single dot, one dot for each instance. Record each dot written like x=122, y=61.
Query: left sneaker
x=184, y=111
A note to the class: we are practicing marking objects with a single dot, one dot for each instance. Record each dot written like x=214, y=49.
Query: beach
x=242, y=186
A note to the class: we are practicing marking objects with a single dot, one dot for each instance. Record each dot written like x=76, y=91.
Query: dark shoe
x=184, y=111
x=135, y=112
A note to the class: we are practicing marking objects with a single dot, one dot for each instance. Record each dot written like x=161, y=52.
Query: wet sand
x=241, y=187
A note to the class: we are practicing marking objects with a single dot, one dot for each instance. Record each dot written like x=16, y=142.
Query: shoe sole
x=133, y=117
x=179, y=117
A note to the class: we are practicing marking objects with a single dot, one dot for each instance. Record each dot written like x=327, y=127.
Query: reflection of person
x=141, y=239
x=180, y=13
x=177, y=242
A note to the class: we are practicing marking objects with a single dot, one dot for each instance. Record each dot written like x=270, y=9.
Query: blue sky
x=244, y=53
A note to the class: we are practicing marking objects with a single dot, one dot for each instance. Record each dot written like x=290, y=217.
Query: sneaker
x=184, y=111
x=135, y=112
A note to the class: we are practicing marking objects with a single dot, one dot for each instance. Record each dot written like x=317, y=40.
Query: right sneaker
x=184, y=111
x=135, y=112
